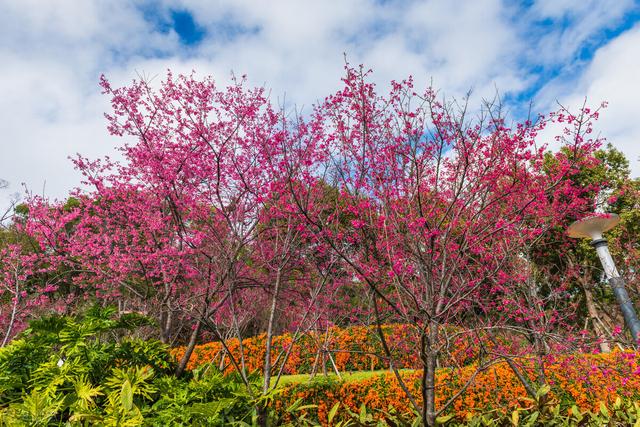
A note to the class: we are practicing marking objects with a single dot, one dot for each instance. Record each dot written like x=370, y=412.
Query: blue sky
x=180, y=21
x=543, y=52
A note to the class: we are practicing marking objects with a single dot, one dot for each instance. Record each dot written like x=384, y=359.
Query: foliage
x=623, y=412
x=80, y=371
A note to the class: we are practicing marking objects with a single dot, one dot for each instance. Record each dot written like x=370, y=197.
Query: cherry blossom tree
x=28, y=287
x=442, y=207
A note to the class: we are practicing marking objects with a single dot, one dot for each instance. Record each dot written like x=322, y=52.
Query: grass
x=346, y=376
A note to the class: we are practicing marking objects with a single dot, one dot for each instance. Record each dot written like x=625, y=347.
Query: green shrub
x=77, y=371
x=209, y=398
x=622, y=413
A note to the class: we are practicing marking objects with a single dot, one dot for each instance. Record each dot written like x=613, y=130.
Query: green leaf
x=294, y=405
x=543, y=391
x=618, y=403
x=515, y=418
x=210, y=409
x=576, y=413
x=603, y=409
x=443, y=419
x=126, y=395
x=531, y=420
x=333, y=412
x=303, y=407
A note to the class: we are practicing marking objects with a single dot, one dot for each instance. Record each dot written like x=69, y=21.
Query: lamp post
x=593, y=227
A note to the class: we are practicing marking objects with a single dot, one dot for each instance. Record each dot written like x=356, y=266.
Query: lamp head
x=593, y=226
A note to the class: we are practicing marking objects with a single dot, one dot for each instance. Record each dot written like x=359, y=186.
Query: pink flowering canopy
x=231, y=215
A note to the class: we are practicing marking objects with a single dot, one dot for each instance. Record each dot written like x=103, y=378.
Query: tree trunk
x=272, y=315
x=540, y=344
x=14, y=311
x=12, y=320
x=429, y=360
x=262, y=411
x=189, y=350
x=595, y=319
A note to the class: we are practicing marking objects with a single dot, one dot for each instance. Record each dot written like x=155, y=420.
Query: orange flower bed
x=355, y=348
x=583, y=380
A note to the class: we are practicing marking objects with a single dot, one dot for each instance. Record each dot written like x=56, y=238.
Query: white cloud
x=611, y=76
x=52, y=53
x=572, y=25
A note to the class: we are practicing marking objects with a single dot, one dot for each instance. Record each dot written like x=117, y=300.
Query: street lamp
x=592, y=227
